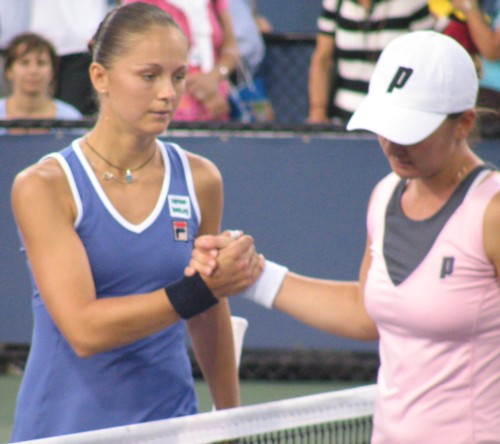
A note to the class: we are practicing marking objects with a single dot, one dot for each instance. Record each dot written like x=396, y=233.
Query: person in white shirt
x=69, y=25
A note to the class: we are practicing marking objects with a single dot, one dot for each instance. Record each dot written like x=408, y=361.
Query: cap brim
x=397, y=124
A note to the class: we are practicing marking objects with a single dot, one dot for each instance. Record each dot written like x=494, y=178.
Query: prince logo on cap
x=400, y=79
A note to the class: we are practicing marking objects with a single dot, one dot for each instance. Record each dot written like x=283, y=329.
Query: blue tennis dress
x=150, y=379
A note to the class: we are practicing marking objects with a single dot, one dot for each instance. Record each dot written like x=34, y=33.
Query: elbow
x=365, y=336
x=83, y=346
x=368, y=331
x=371, y=336
x=371, y=333
x=83, y=351
x=86, y=336
x=321, y=62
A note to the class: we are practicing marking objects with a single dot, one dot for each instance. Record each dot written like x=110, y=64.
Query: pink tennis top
x=438, y=317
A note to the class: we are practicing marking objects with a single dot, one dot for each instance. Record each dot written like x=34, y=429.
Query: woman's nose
x=166, y=89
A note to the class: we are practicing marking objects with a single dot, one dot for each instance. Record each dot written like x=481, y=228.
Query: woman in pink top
x=429, y=286
x=213, y=56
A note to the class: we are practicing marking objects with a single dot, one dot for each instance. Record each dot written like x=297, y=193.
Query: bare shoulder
x=209, y=191
x=491, y=231
x=493, y=211
x=38, y=178
x=205, y=172
x=43, y=183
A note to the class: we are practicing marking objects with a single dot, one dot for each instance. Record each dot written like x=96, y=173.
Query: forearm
x=319, y=88
x=226, y=63
x=212, y=341
x=335, y=307
x=229, y=56
x=108, y=323
x=485, y=39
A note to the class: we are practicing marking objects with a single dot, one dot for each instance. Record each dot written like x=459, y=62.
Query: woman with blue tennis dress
x=429, y=283
x=108, y=226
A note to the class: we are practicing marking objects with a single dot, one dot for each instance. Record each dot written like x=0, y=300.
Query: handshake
x=225, y=265
x=228, y=262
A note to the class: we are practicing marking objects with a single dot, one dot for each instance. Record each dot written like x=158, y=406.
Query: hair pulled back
x=115, y=33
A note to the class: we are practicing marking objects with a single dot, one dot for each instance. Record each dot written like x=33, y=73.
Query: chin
x=32, y=92
x=402, y=169
x=157, y=130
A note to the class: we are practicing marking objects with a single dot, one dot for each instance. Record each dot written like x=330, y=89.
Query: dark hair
x=28, y=42
x=475, y=134
x=112, y=38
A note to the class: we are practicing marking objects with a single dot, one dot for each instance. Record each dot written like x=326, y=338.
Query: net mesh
x=341, y=417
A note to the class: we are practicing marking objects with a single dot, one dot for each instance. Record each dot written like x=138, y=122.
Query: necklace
x=128, y=171
x=106, y=175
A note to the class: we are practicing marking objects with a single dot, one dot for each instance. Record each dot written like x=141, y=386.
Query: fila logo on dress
x=180, y=208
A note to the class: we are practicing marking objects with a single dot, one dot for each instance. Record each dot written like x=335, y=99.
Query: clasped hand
x=227, y=265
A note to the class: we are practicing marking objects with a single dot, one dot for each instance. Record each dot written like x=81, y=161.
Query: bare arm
x=486, y=40
x=492, y=233
x=228, y=54
x=333, y=306
x=211, y=333
x=336, y=307
x=320, y=79
x=44, y=211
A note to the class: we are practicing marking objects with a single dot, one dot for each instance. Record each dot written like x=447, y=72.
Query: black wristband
x=190, y=296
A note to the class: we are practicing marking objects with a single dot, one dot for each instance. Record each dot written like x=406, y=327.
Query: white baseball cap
x=420, y=78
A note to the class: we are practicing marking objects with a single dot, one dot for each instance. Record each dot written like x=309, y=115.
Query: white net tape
x=238, y=422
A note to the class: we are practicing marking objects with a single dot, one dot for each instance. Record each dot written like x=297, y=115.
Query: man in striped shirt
x=353, y=33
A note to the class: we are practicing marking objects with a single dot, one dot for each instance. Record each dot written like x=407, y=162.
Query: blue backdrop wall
x=291, y=15
x=303, y=199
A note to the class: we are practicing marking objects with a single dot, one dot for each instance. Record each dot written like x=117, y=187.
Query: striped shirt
x=360, y=36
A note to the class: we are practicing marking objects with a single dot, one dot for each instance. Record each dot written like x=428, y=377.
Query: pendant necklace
x=106, y=175
x=127, y=171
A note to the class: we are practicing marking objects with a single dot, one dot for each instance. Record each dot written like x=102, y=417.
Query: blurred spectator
x=484, y=31
x=249, y=98
x=14, y=19
x=212, y=58
x=351, y=36
x=247, y=32
x=69, y=25
x=451, y=22
x=30, y=66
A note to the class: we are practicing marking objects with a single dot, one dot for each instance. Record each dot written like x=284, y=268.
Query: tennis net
x=341, y=417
